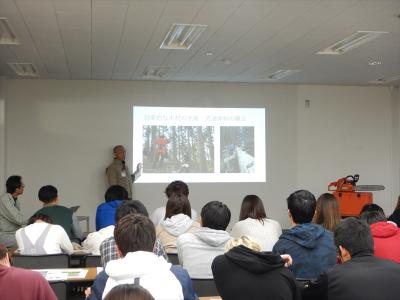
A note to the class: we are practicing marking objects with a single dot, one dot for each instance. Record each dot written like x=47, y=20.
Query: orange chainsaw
x=352, y=197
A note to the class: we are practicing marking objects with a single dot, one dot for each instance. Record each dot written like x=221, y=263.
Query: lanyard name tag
x=123, y=173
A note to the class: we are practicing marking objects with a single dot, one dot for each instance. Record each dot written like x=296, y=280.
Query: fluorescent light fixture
x=352, y=41
x=7, y=35
x=385, y=80
x=182, y=36
x=24, y=69
x=281, y=74
x=155, y=72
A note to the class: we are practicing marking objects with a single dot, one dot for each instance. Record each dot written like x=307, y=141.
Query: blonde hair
x=245, y=241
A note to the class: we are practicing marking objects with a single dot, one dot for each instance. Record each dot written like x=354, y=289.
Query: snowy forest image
x=178, y=149
x=237, y=149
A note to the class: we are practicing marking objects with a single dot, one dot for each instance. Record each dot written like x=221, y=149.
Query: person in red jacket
x=386, y=234
x=21, y=284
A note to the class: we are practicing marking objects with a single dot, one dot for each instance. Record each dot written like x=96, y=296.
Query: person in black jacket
x=244, y=273
x=395, y=216
x=361, y=276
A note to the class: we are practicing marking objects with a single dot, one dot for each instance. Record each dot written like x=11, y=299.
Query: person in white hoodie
x=176, y=222
x=175, y=187
x=197, y=250
x=135, y=237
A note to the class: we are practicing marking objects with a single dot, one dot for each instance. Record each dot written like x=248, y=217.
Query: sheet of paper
x=62, y=274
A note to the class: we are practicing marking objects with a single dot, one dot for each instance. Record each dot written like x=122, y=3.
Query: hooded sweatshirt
x=311, y=247
x=105, y=214
x=242, y=273
x=386, y=240
x=197, y=250
x=152, y=272
x=169, y=230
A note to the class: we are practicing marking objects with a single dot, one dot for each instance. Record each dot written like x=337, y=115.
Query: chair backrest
x=41, y=261
x=93, y=261
x=173, y=258
x=204, y=287
x=60, y=289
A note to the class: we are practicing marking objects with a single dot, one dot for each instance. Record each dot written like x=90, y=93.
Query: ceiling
x=118, y=39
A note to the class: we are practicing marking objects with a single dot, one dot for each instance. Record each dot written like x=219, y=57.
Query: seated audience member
x=361, y=276
x=107, y=246
x=386, y=234
x=197, y=250
x=60, y=215
x=16, y=284
x=105, y=214
x=253, y=222
x=11, y=217
x=310, y=245
x=40, y=237
x=244, y=272
x=135, y=237
x=327, y=212
x=178, y=188
x=128, y=292
x=395, y=216
x=177, y=221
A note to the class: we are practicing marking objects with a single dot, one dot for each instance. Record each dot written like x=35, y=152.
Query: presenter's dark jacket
x=364, y=277
x=118, y=173
x=242, y=273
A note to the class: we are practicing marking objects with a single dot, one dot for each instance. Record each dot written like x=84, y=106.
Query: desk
x=90, y=275
x=210, y=298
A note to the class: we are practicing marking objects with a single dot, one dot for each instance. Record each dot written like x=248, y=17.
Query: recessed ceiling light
x=182, y=36
x=375, y=63
x=226, y=61
x=24, y=69
x=352, y=41
x=209, y=53
x=281, y=74
x=7, y=35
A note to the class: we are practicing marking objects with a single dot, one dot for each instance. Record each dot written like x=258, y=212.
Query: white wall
x=2, y=134
x=62, y=133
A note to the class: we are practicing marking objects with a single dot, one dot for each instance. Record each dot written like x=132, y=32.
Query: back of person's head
x=372, y=213
x=39, y=216
x=215, y=215
x=355, y=236
x=178, y=188
x=3, y=251
x=243, y=241
x=301, y=205
x=398, y=204
x=47, y=193
x=13, y=182
x=327, y=212
x=115, y=192
x=128, y=292
x=134, y=232
x=252, y=207
x=177, y=204
x=130, y=207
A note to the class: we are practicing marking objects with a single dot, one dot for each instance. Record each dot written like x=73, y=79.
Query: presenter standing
x=118, y=172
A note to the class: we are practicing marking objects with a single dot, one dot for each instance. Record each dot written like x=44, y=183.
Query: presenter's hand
x=287, y=259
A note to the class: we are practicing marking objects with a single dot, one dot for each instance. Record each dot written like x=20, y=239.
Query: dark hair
x=128, y=292
x=3, y=251
x=398, y=203
x=178, y=188
x=252, y=207
x=178, y=204
x=372, y=207
x=47, y=193
x=327, y=212
x=215, y=215
x=130, y=207
x=115, y=192
x=13, y=182
x=301, y=205
x=134, y=232
x=355, y=236
x=39, y=216
x=372, y=216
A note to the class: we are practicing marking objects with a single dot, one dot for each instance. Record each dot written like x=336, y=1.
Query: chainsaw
x=348, y=184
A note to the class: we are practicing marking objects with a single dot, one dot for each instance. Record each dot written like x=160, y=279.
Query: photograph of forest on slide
x=178, y=149
x=237, y=149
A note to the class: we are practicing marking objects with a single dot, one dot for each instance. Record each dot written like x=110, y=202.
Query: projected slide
x=199, y=144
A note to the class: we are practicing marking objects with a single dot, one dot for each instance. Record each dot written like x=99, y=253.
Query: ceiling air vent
x=281, y=74
x=24, y=69
x=352, y=41
x=182, y=36
x=155, y=72
x=7, y=36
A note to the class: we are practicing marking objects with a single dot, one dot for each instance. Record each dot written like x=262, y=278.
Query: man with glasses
x=11, y=218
